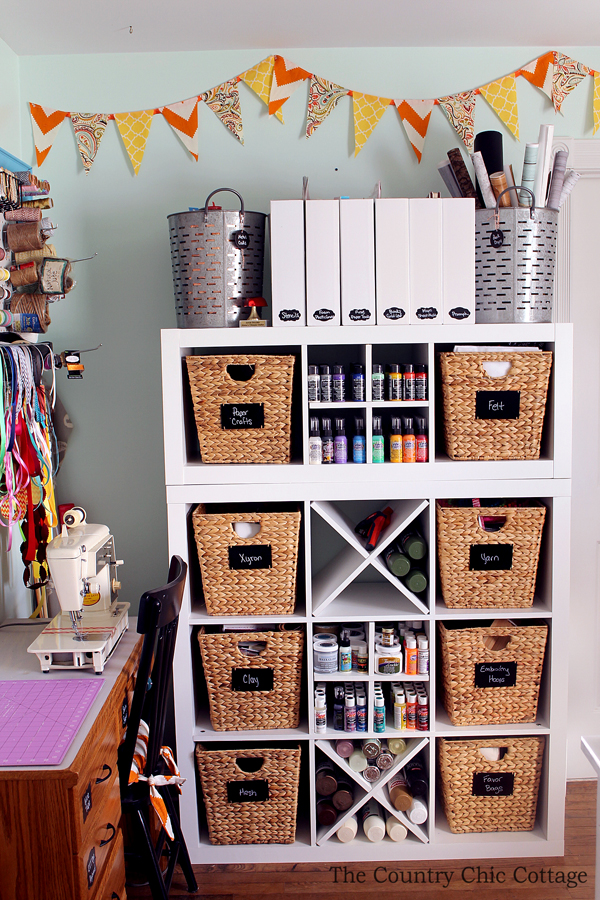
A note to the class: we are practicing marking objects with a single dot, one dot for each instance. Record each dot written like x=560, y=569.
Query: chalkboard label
x=124, y=712
x=252, y=679
x=497, y=404
x=241, y=239
x=323, y=315
x=289, y=315
x=495, y=674
x=490, y=557
x=496, y=238
x=459, y=312
x=242, y=415
x=86, y=801
x=254, y=556
x=247, y=791
x=427, y=312
x=91, y=867
x=493, y=784
x=359, y=315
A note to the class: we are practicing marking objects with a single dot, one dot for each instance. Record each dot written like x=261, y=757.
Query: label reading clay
x=242, y=415
x=252, y=679
x=490, y=557
x=495, y=674
x=497, y=404
x=247, y=791
x=254, y=556
x=493, y=784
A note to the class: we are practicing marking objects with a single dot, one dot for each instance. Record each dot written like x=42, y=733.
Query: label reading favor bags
x=247, y=791
x=493, y=784
x=497, y=404
x=242, y=415
x=495, y=674
x=254, y=556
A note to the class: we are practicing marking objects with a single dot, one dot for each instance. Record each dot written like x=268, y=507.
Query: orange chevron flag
x=183, y=119
x=286, y=79
x=44, y=122
x=540, y=72
x=415, y=115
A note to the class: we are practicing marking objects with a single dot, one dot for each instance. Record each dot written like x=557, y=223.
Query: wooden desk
x=59, y=825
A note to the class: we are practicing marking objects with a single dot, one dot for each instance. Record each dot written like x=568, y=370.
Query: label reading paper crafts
x=242, y=415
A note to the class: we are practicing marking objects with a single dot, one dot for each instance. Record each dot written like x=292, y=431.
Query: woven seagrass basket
x=459, y=538
x=234, y=709
x=232, y=584
x=242, y=421
x=486, y=686
x=483, y=795
x=470, y=437
x=248, y=821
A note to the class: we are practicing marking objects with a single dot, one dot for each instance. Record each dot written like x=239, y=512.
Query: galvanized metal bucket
x=217, y=257
x=515, y=259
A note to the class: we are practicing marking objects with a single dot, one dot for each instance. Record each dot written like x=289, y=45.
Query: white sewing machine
x=83, y=568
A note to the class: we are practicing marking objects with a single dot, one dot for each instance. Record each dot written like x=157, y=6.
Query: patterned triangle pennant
x=368, y=110
x=323, y=97
x=460, y=109
x=502, y=97
x=596, y=102
x=134, y=128
x=415, y=116
x=44, y=122
x=540, y=72
x=567, y=75
x=286, y=79
x=88, y=129
x=224, y=101
x=260, y=78
x=183, y=119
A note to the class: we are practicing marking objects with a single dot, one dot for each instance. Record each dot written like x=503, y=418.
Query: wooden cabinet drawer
x=95, y=852
x=112, y=884
x=97, y=782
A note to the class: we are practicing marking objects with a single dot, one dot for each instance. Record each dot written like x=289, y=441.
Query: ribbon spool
x=23, y=215
x=24, y=236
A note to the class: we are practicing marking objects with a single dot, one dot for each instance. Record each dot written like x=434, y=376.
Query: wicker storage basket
x=483, y=795
x=459, y=539
x=483, y=686
x=465, y=383
x=236, y=709
x=264, y=821
x=262, y=434
x=249, y=591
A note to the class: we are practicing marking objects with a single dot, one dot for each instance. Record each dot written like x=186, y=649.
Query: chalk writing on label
x=237, y=415
x=247, y=791
x=490, y=557
x=251, y=679
x=493, y=784
x=497, y=404
x=495, y=674
x=254, y=556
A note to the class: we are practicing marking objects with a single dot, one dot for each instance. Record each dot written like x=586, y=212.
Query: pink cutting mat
x=40, y=718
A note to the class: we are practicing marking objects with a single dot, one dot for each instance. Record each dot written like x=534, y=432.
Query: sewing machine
x=83, y=568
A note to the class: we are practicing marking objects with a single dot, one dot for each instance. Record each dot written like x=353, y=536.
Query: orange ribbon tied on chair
x=155, y=781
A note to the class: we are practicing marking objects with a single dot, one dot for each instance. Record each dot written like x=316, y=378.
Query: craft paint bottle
x=315, y=446
x=399, y=792
x=409, y=449
x=359, y=447
x=345, y=656
x=326, y=813
x=378, y=382
x=362, y=657
x=349, y=713
x=338, y=708
x=372, y=821
x=325, y=657
x=394, y=827
x=320, y=713
x=378, y=448
x=327, y=441
x=325, y=780
x=396, y=745
x=416, y=775
x=358, y=383
x=420, y=382
x=339, y=384
x=422, y=655
x=347, y=830
x=385, y=760
x=408, y=383
x=314, y=384
x=344, y=748
x=399, y=711
x=387, y=636
x=421, y=440
x=396, y=441
x=371, y=747
x=326, y=385
x=388, y=659
x=418, y=812
x=416, y=581
x=411, y=709
x=344, y=796
x=371, y=773
x=340, y=442
x=379, y=714
x=398, y=563
x=361, y=711
x=413, y=544
x=394, y=382
x=411, y=656
x=422, y=712
x=358, y=761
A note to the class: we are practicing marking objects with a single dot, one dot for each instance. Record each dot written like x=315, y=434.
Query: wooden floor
x=293, y=882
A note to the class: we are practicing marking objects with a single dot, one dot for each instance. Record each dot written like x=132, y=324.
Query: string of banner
x=275, y=79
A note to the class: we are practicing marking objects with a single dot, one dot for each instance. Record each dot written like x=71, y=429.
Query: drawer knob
x=109, y=839
x=106, y=777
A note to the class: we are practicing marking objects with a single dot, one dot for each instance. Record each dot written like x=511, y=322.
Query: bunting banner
x=502, y=97
x=596, y=102
x=368, y=110
x=88, y=129
x=134, y=128
x=259, y=79
x=460, y=110
x=415, y=116
x=224, y=101
x=183, y=119
x=540, y=72
x=45, y=123
x=287, y=78
x=567, y=75
x=323, y=97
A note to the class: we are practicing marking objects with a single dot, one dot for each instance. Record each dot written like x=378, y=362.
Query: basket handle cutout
x=496, y=368
x=246, y=530
x=243, y=372
x=493, y=754
x=252, y=648
x=496, y=642
x=491, y=524
x=249, y=764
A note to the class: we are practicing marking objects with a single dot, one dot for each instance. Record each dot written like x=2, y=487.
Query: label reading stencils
x=495, y=674
x=490, y=557
x=497, y=404
x=247, y=791
x=254, y=556
x=493, y=784
x=242, y=415
x=252, y=679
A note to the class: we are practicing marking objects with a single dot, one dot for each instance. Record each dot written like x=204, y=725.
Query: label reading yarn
x=490, y=557
x=497, y=404
x=252, y=679
x=254, y=556
x=493, y=784
x=239, y=415
x=495, y=674
x=247, y=791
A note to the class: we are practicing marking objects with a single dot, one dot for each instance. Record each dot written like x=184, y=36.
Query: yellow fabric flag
x=134, y=128
x=260, y=79
x=502, y=97
x=368, y=110
x=596, y=102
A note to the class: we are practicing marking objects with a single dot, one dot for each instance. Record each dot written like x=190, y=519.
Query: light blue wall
x=123, y=299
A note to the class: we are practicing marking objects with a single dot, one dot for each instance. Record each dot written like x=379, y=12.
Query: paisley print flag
x=224, y=101
x=415, y=116
x=88, y=128
x=567, y=75
x=44, y=122
x=183, y=119
x=460, y=109
x=323, y=97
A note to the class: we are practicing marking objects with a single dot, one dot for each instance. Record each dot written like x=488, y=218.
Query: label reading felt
x=247, y=791
x=490, y=557
x=252, y=679
x=497, y=404
x=495, y=674
x=254, y=556
x=493, y=784
x=239, y=415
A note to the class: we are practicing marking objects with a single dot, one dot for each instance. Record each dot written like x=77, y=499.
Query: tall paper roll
x=528, y=177
x=558, y=177
x=542, y=169
x=483, y=180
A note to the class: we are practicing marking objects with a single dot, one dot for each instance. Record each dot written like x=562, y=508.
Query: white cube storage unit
x=340, y=581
